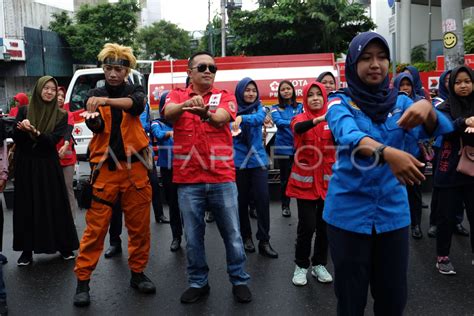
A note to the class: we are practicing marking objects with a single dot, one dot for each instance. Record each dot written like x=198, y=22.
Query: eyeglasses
x=203, y=67
x=116, y=68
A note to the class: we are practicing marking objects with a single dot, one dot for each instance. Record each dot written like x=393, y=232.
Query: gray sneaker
x=445, y=266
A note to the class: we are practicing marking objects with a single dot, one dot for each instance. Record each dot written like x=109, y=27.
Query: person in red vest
x=21, y=100
x=118, y=171
x=308, y=182
x=203, y=169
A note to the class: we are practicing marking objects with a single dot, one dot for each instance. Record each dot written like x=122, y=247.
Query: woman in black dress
x=42, y=220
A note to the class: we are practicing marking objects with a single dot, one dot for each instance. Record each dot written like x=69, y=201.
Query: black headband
x=120, y=62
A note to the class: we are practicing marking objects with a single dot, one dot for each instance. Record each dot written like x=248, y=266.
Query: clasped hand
x=196, y=106
x=26, y=126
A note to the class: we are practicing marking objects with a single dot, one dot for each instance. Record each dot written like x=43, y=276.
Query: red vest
x=133, y=135
x=202, y=153
x=314, y=156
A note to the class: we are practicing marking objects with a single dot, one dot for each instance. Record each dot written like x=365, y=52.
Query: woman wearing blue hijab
x=251, y=164
x=366, y=205
x=416, y=80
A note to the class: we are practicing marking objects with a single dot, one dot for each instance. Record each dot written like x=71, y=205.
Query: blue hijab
x=443, y=92
x=162, y=104
x=418, y=87
x=398, y=81
x=244, y=107
x=375, y=101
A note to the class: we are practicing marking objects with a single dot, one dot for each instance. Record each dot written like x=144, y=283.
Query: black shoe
x=113, y=251
x=416, y=232
x=253, y=212
x=3, y=307
x=3, y=259
x=432, y=231
x=242, y=293
x=265, y=249
x=82, y=297
x=25, y=258
x=248, y=244
x=209, y=217
x=285, y=211
x=461, y=231
x=175, y=244
x=68, y=255
x=142, y=283
x=194, y=294
x=162, y=219
x=424, y=205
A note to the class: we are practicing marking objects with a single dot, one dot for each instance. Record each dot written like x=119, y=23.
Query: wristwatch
x=378, y=155
x=207, y=118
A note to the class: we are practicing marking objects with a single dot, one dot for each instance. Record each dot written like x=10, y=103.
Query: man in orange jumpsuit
x=119, y=171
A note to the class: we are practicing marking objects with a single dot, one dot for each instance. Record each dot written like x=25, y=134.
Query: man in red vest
x=203, y=169
x=118, y=169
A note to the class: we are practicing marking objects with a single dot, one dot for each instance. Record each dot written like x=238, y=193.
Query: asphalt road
x=47, y=286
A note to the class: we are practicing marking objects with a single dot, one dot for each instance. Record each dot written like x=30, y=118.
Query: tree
x=469, y=38
x=295, y=26
x=164, y=39
x=93, y=26
x=215, y=31
x=418, y=54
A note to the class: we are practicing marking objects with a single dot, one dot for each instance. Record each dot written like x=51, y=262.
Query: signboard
x=468, y=60
x=15, y=48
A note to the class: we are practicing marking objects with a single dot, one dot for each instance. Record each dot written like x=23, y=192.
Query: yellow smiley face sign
x=450, y=40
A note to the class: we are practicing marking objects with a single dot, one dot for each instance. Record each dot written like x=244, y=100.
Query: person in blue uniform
x=366, y=205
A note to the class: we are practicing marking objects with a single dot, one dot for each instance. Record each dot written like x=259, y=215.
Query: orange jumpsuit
x=130, y=183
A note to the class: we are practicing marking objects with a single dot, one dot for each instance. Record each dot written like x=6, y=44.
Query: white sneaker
x=299, y=276
x=321, y=274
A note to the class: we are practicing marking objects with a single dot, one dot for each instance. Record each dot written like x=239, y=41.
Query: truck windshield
x=83, y=84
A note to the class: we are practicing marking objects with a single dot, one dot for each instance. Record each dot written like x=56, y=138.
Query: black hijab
x=460, y=106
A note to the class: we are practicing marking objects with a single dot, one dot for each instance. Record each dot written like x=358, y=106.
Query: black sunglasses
x=203, y=67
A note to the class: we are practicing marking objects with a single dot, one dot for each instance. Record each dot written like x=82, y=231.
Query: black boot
x=265, y=249
x=432, y=231
x=285, y=211
x=416, y=232
x=142, y=283
x=82, y=297
x=113, y=251
x=248, y=244
x=175, y=244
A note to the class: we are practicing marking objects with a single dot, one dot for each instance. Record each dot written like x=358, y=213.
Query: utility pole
x=42, y=51
x=210, y=30
x=223, y=4
x=453, y=39
x=429, y=30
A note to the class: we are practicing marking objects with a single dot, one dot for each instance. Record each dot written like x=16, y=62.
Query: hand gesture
x=268, y=121
x=319, y=119
x=404, y=166
x=25, y=126
x=62, y=151
x=94, y=102
x=89, y=115
x=415, y=114
x=3, y=184
x=169, y=134
x=470, y=121
x=196, y=106
x=236, y=123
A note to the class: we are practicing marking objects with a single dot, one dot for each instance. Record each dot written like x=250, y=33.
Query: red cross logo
x=78, y=131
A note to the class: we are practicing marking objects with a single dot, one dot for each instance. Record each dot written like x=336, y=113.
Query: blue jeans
x=194, y=200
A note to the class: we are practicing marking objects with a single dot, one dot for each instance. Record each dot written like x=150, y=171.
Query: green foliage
x=418, y=54
x=93, y=26
x=469, y=38
x=295, y=26
x=423, y=66
x=164, y=39
x=215, y=32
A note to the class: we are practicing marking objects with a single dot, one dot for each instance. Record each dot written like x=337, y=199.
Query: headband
x=120, y=62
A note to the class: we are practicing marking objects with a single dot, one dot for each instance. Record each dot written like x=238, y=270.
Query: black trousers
x=254, y=180
x=115, y=228
x=171, y=194
x=156, y=193
x=415, y=202
x=380, y=260
x=449, y=201
x=310, y=221
x=285, y=165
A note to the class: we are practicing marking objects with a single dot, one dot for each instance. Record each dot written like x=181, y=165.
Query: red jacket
x=202, y=153
x=70, y=157
x=314, y=154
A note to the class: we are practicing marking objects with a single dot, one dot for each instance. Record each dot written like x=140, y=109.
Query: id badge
x=214, y=102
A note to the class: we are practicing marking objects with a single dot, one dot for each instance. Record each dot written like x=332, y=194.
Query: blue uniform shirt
x=362, y=196
x=165, y=145
x=248, y=145
x=284, y=135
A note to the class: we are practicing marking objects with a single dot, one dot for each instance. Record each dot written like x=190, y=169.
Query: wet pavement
x=47, y=286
